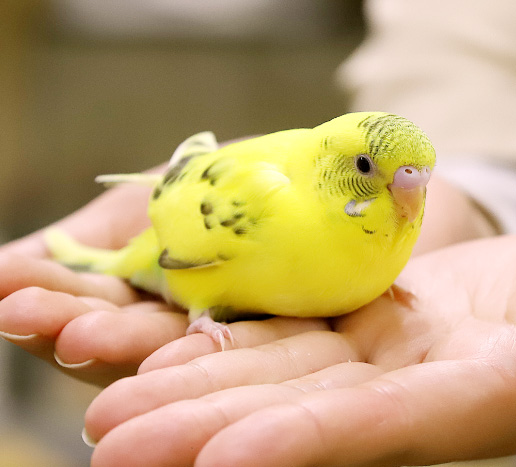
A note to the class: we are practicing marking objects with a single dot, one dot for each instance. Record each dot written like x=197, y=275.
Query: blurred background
x=103, y=86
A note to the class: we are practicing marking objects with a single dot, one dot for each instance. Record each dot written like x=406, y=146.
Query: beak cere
x=408, y=189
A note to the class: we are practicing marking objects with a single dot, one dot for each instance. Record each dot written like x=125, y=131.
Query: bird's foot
x=400, y=295
x=217, y=331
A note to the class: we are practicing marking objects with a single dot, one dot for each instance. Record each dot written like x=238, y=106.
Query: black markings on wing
x=178, y=171
x=209, y=223
x=206, y=208
x=168, y=262
x=211, y=174
x=234, y=217
x=174, y=173
x=157, y=192
x=215, y=171
x=229, y=222
x=222, y=212
x=228, y=216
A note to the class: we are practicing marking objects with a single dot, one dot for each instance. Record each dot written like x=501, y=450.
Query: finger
x=271, y=363
x=33, y=318
x=87, y=337
x=396, y=419
x=245, y=334
x=19, y=272
x=119, y=339
x=117, y=224
x=118, y=344
x=100, y=223
x=31, y=245
x=191, y=423
x=392, y=335
x=342, y=375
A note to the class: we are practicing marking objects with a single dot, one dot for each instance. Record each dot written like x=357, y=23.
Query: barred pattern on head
x=385, y=132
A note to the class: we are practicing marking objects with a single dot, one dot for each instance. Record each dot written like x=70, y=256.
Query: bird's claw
x=217, y=331
x=402, y=296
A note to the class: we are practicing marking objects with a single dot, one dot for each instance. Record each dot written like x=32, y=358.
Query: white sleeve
x=491, y=184
x=452, y=74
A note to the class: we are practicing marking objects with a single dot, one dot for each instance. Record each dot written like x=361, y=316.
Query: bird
x=309, y=222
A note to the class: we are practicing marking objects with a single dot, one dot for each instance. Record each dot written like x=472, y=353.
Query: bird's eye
x=364, y=164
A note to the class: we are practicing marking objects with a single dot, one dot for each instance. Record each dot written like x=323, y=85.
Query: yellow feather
x=299, y=222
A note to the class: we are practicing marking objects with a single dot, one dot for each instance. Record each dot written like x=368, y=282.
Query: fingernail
x=73, y=366
x=88, y=440
x=16, y=337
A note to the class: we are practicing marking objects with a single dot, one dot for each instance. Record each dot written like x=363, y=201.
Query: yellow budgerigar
x=305, y=222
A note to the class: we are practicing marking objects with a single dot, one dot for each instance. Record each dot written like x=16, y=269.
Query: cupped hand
x=95, y=327
x=394, y=385
x=98, y=329
x=53, y=312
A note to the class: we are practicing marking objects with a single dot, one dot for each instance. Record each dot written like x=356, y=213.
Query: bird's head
x=369, y=156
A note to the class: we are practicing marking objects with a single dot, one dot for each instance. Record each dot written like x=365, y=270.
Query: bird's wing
x=196, y=145
x=212, y=209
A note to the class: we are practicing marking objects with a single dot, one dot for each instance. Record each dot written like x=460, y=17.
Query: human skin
x=435, y=361
x=50, y=311
x=391, y=385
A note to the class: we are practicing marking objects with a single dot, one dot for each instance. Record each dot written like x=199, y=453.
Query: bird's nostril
x=410, y=177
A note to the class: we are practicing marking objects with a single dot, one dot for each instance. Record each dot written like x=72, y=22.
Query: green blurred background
x=103, y=86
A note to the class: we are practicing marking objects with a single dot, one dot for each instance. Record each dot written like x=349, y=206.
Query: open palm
x=386, y=385
x=394, y=385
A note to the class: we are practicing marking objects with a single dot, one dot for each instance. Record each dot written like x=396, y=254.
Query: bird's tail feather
x=78, y=257
x=110, y=180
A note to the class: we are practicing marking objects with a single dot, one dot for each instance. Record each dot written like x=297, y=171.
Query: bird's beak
x=408, y=189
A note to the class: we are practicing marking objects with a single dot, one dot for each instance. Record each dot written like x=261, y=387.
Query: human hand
x=392, y=386
x=41, y=299
x=95, y=327
x=51, y=311
x=451, y=216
